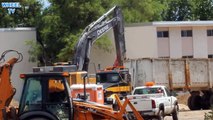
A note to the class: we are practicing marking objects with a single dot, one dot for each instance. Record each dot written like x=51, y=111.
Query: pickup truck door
x=169, y=102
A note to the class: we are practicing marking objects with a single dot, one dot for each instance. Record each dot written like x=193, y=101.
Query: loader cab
x=46, y=96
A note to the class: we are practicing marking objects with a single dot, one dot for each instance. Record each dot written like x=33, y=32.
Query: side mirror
x=173, y=93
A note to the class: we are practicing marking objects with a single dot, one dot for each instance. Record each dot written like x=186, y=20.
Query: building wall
x=187, y=43
x=16, y=39
x=200, y=48
x=141, y=42
x=175, y=42
x=143, y=38
x=210, y=42
x=176, y=46
x=163, y=44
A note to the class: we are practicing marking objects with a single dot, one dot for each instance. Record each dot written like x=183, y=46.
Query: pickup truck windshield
x=140, y=91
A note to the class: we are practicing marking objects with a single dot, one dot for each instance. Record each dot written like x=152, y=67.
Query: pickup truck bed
x=153, y=102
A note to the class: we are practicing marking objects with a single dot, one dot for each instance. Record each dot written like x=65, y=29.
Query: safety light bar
x=68, y=68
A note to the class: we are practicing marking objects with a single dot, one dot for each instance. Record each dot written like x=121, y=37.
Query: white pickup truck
x=154, y=101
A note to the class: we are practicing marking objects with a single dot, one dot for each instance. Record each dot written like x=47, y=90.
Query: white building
x=15, y=39
x=170, y=39
x=161, y=39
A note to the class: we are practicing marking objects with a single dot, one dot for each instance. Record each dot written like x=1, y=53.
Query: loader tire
x=38, y=118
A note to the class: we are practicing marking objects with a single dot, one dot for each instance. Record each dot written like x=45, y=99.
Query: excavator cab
x=45, y=96
x=114, y=81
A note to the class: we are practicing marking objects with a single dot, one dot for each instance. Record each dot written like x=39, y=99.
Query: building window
x=186, y=33
x=187, y=56
x=210, y=32
x=210, y=56
x=163, y=34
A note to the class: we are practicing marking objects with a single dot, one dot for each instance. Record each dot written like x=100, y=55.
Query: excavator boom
x=94, y=31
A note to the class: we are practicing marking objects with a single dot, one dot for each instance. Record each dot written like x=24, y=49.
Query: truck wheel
x=194, y=102
x=189, y=102
x=205, y=102
x=211, y=100
x=175, y=113
x=161, y=115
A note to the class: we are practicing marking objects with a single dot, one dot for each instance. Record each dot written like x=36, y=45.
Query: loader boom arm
x=7, y=91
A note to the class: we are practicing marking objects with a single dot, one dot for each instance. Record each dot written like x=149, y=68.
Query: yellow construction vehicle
x=116, y=79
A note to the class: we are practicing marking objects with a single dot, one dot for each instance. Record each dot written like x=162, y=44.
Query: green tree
x=178, y=10
x=62, y=24
x=26, y=16
x=142, y=10
x=136, y=11
x=203, y=9
x=64, y=20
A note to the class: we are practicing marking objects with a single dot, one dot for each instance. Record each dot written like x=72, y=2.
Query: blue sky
x=46, y=3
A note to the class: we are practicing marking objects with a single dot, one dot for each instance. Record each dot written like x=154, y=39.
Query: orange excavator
x=7, y=91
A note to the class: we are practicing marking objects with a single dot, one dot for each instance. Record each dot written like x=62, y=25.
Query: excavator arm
x=94, y=31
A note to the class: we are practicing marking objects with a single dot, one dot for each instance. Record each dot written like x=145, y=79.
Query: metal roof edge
x=138, y=24
x=182, y=23
x=17, y=29
x=172, y=23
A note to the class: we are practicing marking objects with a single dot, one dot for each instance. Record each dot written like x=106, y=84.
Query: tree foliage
x=26, y=16
x=178, y=10
x=69, y=17
x=203, y=10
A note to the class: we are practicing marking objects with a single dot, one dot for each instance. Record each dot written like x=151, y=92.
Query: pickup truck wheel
x=175, y=113
x=161, y=115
